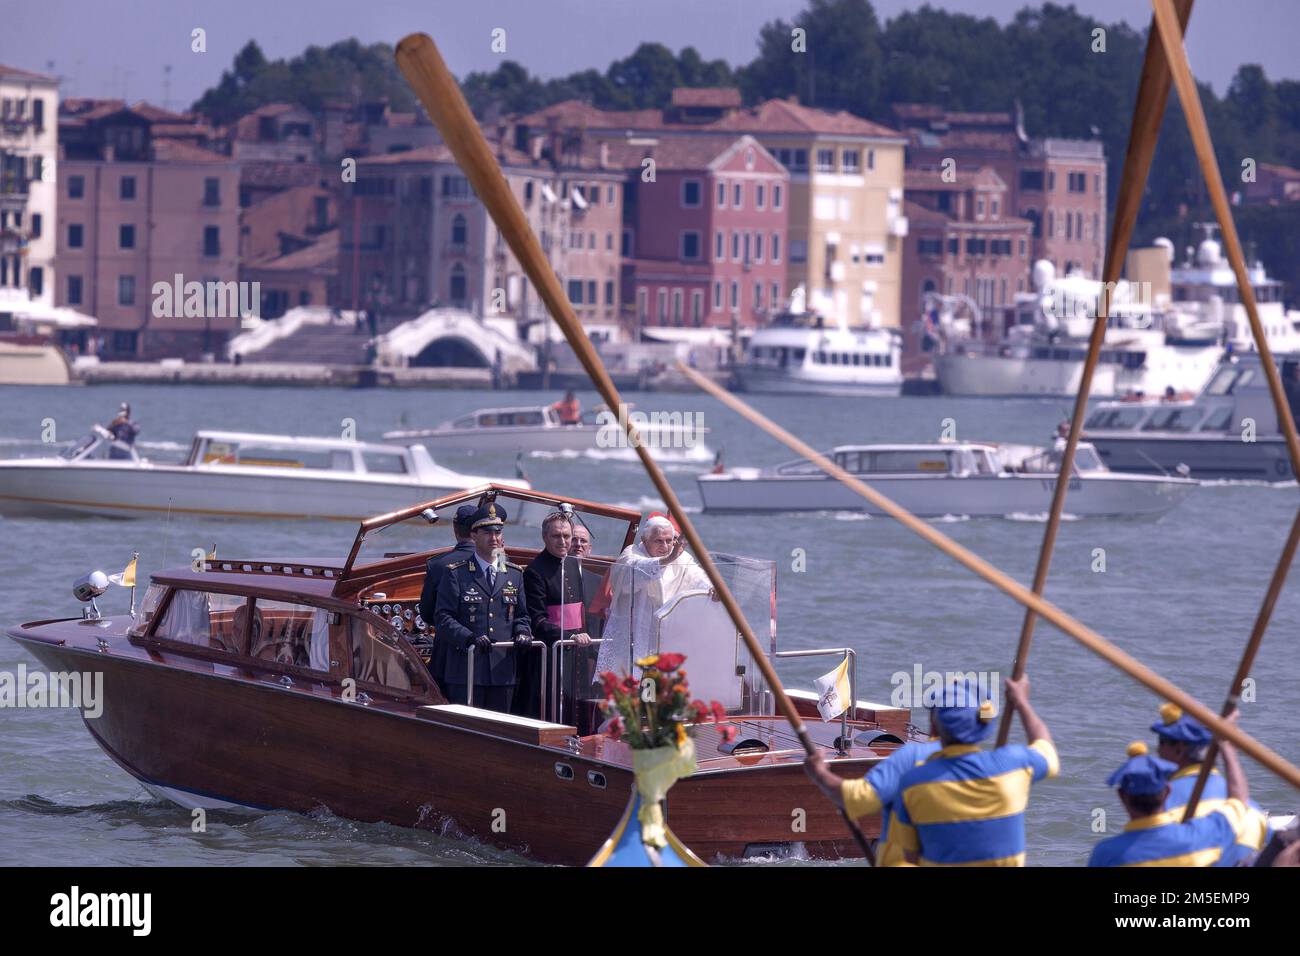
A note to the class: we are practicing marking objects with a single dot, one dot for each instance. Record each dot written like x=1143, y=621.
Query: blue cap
x=1142, y=774
x=963, y=715
x=465, y=515
x=1175, y=725
x=490, y=515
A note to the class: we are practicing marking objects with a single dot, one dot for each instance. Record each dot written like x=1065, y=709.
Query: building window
x=735, y=296
x=691, y=190
x=74, y=235
x=1069, y=225
x=642, y=304
x=459, y=290
x=1031, y=180
x=1022, y=248
x=591, y=292
x=735, y=247
x=871, y=159
x=758, y=247
x=609, y=293
x=76, y=187
x=776, y=296
x=825, y=160
x=954, y=247
x=737, y=195
x=979, y=207
x=722, y=196
x=747, y=246
x=126, y=187
x=697, y=307
x=776, y=247
x=126, y=237
x=1051, y=182
x=455, y=187
x=609, y=242
x=74, y=290
x=717, y=294
x=776, y=197
x=662, y=298
x=929, y=247
x=760, y=196
x=1036, y=218
x=211, y=191
x=798, y=250
x=211, y=241
x=609, y=196
x=1078, y=182
x=849, y=161
x=758, y=296
x=995, y=209
x=36, y=280
x=690, y=245
x=677, y=306
x=799, y=161
x=126, y=290
x=719, y=246
x=575, y=291
x=460, y=230
x=1051, y=224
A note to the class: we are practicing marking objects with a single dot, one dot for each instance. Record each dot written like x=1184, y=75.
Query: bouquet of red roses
x=653, y=710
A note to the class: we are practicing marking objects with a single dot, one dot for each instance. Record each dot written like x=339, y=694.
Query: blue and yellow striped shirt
x=965, y=806
x=878, y=793
x=1250, y=838
x=1161, y=840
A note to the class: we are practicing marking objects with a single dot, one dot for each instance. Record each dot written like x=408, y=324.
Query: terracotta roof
x=433, y=153
x=918, y=214
x=717, y=96
x=576, y=113
x=1286, y=172
x=588, y=160
x=784, y=116
x=158, y=114
x=178, y=151
x=323, y=252
x=26, y=74
x=929, y=179
x=680, y=152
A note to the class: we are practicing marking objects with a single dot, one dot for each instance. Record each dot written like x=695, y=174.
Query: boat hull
x=576, y=438
x=128, y=490
x=1211, y=457
x=26, y=363
x=214, y=739
x=938, y=495
x=996, y=376
x=785, y=382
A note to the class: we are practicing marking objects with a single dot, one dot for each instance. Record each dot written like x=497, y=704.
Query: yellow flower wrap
x=656, y=771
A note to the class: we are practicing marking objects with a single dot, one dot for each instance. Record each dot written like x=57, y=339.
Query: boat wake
x=1039, y=518
x=1245, y=483
x=950, y=519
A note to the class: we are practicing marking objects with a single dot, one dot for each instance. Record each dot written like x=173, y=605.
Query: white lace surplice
x=639, y=586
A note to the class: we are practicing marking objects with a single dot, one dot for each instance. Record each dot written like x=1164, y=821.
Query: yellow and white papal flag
x=126, y=577
x=833, y=695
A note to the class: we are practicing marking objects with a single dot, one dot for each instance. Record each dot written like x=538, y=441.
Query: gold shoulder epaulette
x=456, y=564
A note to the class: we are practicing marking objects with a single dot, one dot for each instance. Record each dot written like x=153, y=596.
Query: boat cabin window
x=1174, y=420
x=377, y=658
x=850, y=461
x=1121, y=418
x=908, y=462
x=290, y=634
x=1223, y=381
x=801, y=467
x=384, y=463
x=269, y=456
x=1220, y=420
x=465, y=421
x=507, y=419
x=148, y=607
x=205, y=619
x=1087, y=459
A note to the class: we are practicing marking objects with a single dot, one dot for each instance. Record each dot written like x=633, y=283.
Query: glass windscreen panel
x=378, y=657
x=204, y=619
x=1222, y=381
x=1174, y=420
x=271, y=456
x=906, y=462
x=1219, y=420
x=384, y=463
x=1120, y=418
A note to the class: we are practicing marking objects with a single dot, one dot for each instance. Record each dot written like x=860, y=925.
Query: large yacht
x=1228, y=431
x=801, y=352
x=1146, y=349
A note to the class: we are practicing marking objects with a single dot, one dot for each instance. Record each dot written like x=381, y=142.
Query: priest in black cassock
x=554, y=614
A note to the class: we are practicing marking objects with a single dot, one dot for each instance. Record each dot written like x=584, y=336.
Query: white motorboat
x=1146, y=349
x=231, y=475
x=1227, y=432
x=537, y=428
x=977, y=479
x=789, y=358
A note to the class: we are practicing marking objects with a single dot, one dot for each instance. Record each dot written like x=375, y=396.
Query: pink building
x=705, y=235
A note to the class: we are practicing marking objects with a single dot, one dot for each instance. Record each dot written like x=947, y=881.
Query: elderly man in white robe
x=647, y=575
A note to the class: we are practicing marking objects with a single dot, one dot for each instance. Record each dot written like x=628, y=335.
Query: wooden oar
x=423, y=66
x=1172, y=40
x=1153, y=94
x=1007, y=585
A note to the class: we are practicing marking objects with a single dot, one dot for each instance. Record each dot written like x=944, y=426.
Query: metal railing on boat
x=469, y=671
x=848, y=654
x=557, y=673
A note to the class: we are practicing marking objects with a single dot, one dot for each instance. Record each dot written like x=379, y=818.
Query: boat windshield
x=1118, y=418
x=1219, y=421
x=1182, y=419
x=1225, y=378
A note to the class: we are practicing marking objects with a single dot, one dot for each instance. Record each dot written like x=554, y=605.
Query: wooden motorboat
x=278, y=684
x=978, y=479
x=537, y=428
x=227, y=474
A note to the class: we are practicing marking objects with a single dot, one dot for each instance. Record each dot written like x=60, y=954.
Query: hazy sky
x=121, y=47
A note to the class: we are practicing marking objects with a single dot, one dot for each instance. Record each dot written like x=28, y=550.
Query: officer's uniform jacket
x=467, y=608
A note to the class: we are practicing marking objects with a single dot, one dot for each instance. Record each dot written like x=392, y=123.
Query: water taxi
x=978, y=479
x=273, y=683
x=229, y=475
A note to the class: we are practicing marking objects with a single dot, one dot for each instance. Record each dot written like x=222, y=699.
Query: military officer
x=433, y=574
x=481, y=602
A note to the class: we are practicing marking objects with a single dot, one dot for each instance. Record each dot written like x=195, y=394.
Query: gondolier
x=480, y=603
x=1156, y=837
